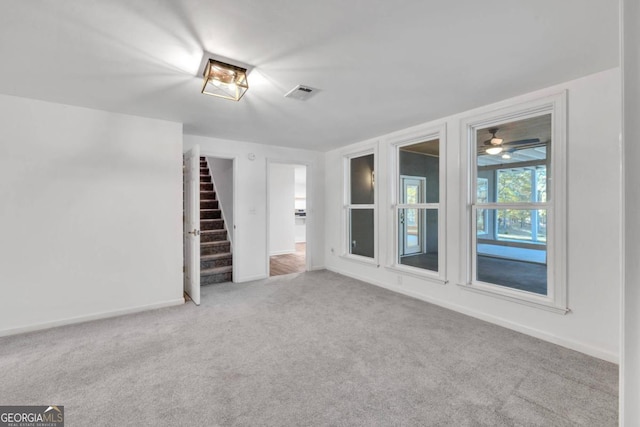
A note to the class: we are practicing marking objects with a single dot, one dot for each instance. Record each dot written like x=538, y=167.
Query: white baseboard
x=317, y=267
x=545, y=336
x=284, y=252
x=90, y=317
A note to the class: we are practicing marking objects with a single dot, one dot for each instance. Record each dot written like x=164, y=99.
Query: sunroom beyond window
x=511, y=206
x=418, y=205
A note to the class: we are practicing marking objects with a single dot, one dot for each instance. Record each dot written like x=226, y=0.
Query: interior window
x=511, y=206
x=361, y=206
x=418, y=204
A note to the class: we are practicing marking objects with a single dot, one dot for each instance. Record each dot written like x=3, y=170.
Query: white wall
x=250, y=245
x=630, y=372
x=594, y=237
x=90, y=214
x=222, y=175
x=281, y=209
x=301, y=186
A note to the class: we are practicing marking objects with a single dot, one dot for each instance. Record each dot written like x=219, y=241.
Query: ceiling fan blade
x=524, y=141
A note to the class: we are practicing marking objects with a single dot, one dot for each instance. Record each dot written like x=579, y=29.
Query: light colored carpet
x=314, y=348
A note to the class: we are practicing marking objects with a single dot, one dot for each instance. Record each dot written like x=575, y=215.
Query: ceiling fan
x=495, y=145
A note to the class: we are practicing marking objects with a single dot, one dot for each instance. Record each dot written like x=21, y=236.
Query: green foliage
x=514, y=186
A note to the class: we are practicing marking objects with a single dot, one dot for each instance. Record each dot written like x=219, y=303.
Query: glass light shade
x=494, y=150
x=224, y=80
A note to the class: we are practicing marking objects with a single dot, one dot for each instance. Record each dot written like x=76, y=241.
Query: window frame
x=395, y=181
x=556, y=205
x=348, y=207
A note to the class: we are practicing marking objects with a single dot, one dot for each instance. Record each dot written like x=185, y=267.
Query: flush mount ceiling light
x=224, y=80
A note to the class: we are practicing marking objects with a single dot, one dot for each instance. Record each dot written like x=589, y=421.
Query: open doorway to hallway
x=287, y=218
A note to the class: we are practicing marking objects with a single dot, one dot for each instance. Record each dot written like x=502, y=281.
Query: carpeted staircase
x=215, y=248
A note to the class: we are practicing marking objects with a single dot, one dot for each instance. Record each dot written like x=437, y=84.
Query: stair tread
x=215, y=243
x=216, y=270
x=211, y=219
x=209, y=210
x=215, y=256
x=219, y=231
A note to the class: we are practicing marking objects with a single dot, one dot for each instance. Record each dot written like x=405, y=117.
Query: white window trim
x=346, y=206
x=420, y=135
x=556, y=298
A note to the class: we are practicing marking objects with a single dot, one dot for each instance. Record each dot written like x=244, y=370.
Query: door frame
x=310, y=210
x=236, y=230
x=422, y=219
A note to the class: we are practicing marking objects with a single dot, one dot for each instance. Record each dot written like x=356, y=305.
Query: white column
x=630, y=352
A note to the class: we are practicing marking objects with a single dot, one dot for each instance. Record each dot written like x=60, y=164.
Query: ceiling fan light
x=224, y=80
x=494, y=150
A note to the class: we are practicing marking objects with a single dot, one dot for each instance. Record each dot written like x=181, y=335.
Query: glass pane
x=541, y=184
x=483, y=226
x=483, y=190
x=421, y=162
x=521, y=225
x=413, y=190
x=418, y=238
x=362, y=180
x=514, y=185
x=362, y=232
x=518, y=260
x=513, y=157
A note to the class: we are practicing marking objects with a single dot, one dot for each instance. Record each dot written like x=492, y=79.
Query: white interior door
x=192, y=224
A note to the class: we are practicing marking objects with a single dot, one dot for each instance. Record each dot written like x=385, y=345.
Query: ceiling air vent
x=301, y=93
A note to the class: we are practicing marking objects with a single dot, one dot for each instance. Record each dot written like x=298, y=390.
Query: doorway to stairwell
x=216, y=220
x=287, y=198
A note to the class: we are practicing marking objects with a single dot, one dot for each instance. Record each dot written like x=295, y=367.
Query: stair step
x=225, y=269
x=204, y=170
x=206, y=186
x=210, y=213
x=209, y=204
x=213, y=248
x=224, y=259
x=211, y=224
x=215, y=275
x=205, y=178
x=212, y=235
x=207, y=195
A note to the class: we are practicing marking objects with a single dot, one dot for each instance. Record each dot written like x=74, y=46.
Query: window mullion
x=521, y=206
x=418, y=206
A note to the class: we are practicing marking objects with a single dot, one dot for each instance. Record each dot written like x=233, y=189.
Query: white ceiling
x=381, y=65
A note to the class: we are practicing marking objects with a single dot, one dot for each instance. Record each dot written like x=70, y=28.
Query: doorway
x=287, y=218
